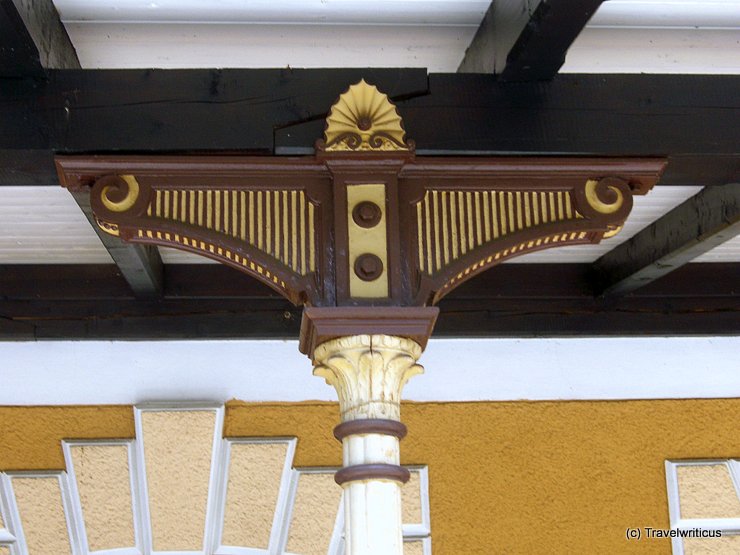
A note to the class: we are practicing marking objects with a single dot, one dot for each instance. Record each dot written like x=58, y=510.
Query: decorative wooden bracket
x=364, y=222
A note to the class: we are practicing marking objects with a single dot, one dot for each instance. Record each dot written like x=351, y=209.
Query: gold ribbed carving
x=363, y=119
x=280, y=223
x=452, y=223
x=210, y=248
x=533, y=244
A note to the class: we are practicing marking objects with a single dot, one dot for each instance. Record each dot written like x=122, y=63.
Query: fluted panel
x=280, y=223
x=452, y=223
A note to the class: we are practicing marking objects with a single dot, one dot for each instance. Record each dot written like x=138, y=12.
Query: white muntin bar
x=369, y=372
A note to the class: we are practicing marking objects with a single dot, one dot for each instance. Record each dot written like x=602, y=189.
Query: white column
x=369, y=372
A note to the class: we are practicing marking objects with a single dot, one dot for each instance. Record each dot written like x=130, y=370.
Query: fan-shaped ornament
x=363, y=119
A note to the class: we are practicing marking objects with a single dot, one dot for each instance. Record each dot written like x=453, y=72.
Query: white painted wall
x=102, y=372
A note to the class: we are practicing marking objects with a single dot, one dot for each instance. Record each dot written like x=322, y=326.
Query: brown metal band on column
x=370, y=426
x=372, y=472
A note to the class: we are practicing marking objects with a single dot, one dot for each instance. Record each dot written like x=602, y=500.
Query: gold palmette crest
x=363, y=119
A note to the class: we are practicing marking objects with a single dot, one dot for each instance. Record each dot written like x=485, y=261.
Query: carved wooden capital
x=368, y=372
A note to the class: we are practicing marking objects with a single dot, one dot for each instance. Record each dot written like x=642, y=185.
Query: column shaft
x=369, y=372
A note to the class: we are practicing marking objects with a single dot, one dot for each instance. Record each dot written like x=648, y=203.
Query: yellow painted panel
x=31, y=436
x=104, y=485
x=367, y=240
x=314, y=514
x=255, y=471
x=178, y=447
x=726, y=545
x=411, y=499
x=413, y=548
x=706, y=491
x=41, y=511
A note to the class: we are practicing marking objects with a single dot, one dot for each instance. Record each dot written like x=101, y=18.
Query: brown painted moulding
x=378, y=471
x=282, y=220
x=370, y=426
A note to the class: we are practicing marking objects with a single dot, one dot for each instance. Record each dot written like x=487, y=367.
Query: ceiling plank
x=213, y=301
x=696, y=226
x=525, y=40
x=693, y=120
x=140, y=265
x=32, y=39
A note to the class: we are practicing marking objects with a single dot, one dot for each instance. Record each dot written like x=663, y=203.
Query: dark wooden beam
x=525, y=40
x=696, y=226
x=32, y=39
x=140, y=265
x=213, y=301
x=693, y=120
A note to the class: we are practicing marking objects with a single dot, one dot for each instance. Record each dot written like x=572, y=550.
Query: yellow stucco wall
x=30, y=437
x=505, y=478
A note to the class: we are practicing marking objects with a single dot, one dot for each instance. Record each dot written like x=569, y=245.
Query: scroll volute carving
x=117, y=198
x=607, y=198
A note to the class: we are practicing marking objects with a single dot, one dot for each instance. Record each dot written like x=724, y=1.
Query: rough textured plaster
x=413, y=548
x=728, y=545
x=255, y=471
x=2, y=524
x=42, y=515
x=707, y=492
x=103, y=482
x=31, y=436
x=411, y=500
x=177, y=448
x=4, y=550
x=582, y=470
x=314, y=514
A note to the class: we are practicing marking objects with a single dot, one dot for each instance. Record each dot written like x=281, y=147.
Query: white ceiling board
x=377, y=12
x=691, y=14
x=646, y=210
x=728, y=251
x=624, y=36
x=44, y=225
x=631, y=50
x=121, y=46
